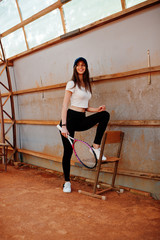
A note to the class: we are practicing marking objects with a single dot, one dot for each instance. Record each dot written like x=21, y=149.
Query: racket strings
x=85, y=154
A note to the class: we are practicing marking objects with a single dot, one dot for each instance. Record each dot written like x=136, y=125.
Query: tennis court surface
x=33, y=207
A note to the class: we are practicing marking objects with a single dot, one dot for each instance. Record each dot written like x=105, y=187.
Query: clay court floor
x=33, y=207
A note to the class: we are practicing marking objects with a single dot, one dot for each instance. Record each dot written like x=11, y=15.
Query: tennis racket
x=83, y=151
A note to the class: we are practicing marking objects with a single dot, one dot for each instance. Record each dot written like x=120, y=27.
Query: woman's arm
x=65, y=105
x=99, y=109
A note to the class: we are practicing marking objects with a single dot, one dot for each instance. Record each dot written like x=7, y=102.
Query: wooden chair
x=109, y=137
x=3, y=154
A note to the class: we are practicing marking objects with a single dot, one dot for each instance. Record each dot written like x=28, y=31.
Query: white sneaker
x=67, y=187
x=97, y=152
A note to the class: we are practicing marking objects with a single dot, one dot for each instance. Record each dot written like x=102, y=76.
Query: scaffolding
x=10, y=120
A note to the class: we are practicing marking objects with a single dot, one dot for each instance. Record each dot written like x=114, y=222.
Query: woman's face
x=81, y=67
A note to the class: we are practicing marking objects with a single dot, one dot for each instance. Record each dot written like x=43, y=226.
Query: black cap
x=80, y=59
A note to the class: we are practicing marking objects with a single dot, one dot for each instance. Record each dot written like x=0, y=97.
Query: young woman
x=78, y=92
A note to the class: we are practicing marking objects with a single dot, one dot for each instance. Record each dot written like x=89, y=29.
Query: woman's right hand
x=64, y=131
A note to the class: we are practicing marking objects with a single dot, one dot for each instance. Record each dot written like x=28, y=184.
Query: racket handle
x=59, y=127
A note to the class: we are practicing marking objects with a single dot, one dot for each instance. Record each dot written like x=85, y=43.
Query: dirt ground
x=33, y=207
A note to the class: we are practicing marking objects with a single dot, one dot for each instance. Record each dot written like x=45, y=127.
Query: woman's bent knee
x=106, y=115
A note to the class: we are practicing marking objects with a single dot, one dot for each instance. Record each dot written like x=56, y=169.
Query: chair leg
x=97, y=176
x=114, y=173
x=99, y=163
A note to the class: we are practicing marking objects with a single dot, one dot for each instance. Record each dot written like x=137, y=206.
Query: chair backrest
x=113, y=137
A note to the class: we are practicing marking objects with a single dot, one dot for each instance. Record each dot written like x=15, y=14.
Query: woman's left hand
x=98, y=109
x=101, y=108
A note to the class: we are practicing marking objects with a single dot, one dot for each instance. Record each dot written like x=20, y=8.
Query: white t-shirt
x=80, y=97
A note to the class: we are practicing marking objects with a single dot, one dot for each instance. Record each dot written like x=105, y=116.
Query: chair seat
x=110, y=159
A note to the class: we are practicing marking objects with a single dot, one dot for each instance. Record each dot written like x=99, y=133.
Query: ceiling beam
x=43, y=12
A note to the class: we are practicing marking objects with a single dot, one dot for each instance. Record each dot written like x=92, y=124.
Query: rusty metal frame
x=11, y=116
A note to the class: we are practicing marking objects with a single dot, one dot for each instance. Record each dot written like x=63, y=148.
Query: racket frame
x=73, y=141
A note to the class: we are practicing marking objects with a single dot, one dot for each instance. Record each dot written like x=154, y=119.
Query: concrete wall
x=116, y=47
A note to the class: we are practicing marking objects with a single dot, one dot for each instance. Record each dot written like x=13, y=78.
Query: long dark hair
x=86, y=79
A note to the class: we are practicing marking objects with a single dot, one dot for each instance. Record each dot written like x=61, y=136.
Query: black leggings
x=77, y=121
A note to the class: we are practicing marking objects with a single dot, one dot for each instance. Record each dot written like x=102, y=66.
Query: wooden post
x=2, y=121
x=20, y=15
x=149, y=65
x=123, y=3
x=62, y=19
